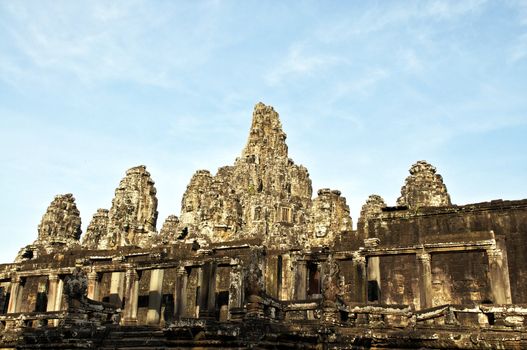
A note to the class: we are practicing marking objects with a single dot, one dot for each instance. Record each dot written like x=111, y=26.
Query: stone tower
x=264, y=195
x=60, y=228
x=131, y=221
x=424, y=188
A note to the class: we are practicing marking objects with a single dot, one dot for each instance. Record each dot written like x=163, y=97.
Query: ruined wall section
x=502, y=221
x=60, y=228
x=423, y=188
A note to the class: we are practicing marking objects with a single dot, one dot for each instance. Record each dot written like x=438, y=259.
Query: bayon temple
x=256, y=260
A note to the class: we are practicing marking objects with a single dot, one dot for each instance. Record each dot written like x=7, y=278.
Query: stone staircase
x=134, y=337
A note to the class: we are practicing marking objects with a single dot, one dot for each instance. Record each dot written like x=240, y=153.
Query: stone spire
x=132, y=217
x=96, y=236
x=263, y=195
x=424, y=188
x=60, y=228
x=266, y=137
x=61, y=222
x=330, y=217
x=370, y=210
x=170, y=230
x=372, y=207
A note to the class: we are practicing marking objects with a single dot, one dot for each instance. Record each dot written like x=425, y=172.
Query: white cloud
x=110, y=41
x=300, y=63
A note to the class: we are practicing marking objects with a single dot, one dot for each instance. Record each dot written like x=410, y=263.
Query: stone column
x=204, y=278
x=199, y=292
x=181, y=292
x=117, y=288
x=15, y=299
x=211, y=302
x=373, y=270
x=235, y=291
x=131, y=297
x=287, y=278
x=208, y=290
x=60, y=290
x=93, y=286
x=425, y=279
x=499, y=276
x=154, y=297
x=360, y=283
x=301, y=280
x=53, y=289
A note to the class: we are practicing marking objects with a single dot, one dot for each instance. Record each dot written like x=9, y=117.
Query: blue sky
x=89, y=89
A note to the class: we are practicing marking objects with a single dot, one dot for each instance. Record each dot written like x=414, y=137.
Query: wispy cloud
x=379, y=18
x=108, y=41
x=299, y=62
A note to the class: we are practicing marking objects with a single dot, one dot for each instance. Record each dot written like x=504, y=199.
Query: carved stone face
x=398, y=280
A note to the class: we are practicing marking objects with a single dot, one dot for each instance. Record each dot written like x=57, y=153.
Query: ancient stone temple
x=254, y=260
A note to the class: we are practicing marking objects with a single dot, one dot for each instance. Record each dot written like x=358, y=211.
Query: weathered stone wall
x=399, y=280
x=460, y=278
x=470, y=223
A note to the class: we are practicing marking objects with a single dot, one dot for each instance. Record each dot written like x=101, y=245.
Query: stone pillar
x=199, y=292
x=204, y=289
x=131, y=297
x=425, y=279
x=181, y=292
x=287, y=278
x=373, y=271
x=360, y=283
x=56, y=286
x=93, y=286
x=207, y=304
x=211, y=302
x=58, y=300
x=154, y=297
x=117, y=289
x=499, y=276
x=301, y=280
x=15, y=300
x=53, y=290
x=235, y=291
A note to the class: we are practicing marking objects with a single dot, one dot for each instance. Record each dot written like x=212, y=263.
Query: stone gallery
x=254, y=261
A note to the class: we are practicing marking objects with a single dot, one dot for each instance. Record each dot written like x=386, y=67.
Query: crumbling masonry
x=253, y=260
